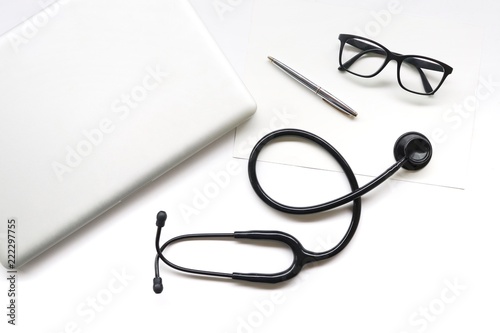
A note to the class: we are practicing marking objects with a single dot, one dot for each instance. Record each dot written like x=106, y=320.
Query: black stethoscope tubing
x=412, y=151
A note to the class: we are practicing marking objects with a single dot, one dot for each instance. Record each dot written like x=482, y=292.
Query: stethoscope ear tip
x=161, y=217
x=157, y=285
x=416, y=148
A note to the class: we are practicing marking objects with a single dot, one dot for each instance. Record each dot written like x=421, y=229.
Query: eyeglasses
x=365, y=58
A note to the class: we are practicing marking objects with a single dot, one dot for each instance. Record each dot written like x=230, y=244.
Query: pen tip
x=270, y=58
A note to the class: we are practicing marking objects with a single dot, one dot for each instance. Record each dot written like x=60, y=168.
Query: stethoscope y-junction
x=412, y=151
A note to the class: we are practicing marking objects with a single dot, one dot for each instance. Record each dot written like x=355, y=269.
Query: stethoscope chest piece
x=416, y=147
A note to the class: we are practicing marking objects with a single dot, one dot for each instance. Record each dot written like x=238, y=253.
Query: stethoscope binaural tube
x=412, y=151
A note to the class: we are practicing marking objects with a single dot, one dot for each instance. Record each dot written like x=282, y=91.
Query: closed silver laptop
x=97, y=99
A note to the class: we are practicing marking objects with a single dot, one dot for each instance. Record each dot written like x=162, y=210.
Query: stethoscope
x=412, y=151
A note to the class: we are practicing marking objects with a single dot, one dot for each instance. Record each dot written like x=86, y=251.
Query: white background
x=413, y=244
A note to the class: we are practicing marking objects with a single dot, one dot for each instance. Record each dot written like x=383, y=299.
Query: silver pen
x=325, y=95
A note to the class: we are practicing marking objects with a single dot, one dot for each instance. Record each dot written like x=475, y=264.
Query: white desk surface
x=424, y=259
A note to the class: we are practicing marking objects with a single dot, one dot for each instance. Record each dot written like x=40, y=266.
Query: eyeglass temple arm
x=417, y=63
x=355, y=58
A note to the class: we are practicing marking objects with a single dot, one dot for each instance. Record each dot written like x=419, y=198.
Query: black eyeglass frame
x=399, y=58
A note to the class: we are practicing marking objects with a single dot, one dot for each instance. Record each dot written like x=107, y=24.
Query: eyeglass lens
x=362, y=57
x=420, y=75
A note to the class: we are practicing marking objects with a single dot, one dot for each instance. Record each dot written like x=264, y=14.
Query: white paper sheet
x=303, y=34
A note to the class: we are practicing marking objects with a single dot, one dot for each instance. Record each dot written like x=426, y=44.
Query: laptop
x=98, y=98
